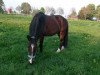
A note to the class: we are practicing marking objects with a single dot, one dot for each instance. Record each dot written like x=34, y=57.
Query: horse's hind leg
x=61, y=36
x=65, y=41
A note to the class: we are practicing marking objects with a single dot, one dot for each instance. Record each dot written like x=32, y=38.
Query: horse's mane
x=37, y=24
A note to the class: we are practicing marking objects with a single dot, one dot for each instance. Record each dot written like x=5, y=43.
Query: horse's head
x=35, y=30
x=31, y=48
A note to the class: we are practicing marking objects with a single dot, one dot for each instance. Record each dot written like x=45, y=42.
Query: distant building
x=72, y=17
x=8, y=10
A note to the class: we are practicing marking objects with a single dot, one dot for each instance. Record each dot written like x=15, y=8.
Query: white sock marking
x=62, y=47
x=58, y=50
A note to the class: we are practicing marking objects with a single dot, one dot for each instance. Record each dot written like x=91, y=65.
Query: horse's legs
x=41, y=43
x=65, y=41
x=61, y=36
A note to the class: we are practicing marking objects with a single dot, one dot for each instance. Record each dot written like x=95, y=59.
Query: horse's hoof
x=62, y=47
x=58, y=50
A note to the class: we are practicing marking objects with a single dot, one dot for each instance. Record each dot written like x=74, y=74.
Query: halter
x=31, y=57
x=33, y=37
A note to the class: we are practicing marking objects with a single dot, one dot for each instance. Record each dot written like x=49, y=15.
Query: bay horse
x=45, y=25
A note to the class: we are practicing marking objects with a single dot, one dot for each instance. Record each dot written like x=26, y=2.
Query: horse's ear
x=28, y=37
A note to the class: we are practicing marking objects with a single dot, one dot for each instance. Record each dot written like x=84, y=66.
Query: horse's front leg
x=41, y=43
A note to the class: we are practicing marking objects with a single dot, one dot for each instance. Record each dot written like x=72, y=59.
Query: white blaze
x=32, y=45
x=31, y=56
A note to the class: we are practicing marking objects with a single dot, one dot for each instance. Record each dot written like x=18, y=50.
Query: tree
x=50, y=10
x=47, y=11
x=1, y=3
x=10, y=10
x=87, y=12
x=1, y=6
x=18, y=8
x=42, y=10
x=60, y=11
x=25, y=8
x=90, y=11
x=83, y=13
x=73, y=13
x=1, y=10
x=98, y=12
x=34, y=11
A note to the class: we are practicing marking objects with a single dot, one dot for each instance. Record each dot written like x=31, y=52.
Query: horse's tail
x=66, y=33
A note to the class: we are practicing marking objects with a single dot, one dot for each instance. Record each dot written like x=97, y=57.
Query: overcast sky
x=65, y=4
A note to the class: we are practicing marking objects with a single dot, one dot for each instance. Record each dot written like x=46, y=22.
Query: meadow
x=81, y=57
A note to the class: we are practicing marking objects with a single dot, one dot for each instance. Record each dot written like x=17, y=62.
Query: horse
x=45, y=25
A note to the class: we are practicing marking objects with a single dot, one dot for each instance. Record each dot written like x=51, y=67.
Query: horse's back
x=62, y=22
x=55, y=24
x=51, y=25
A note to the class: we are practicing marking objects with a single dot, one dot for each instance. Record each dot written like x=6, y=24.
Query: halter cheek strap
x=31, y=56
x=33, y=37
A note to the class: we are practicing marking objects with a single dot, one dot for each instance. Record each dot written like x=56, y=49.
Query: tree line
x=88, y=12
x=25, y=8
x=1, y=6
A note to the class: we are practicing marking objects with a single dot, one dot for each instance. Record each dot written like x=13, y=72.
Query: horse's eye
x=28, y=37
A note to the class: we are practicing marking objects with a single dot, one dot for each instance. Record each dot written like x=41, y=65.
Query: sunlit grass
x=81, y=57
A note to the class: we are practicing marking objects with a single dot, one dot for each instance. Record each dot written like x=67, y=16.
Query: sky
x=67, y=5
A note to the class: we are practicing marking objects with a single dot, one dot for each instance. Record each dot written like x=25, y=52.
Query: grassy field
x=81, y=57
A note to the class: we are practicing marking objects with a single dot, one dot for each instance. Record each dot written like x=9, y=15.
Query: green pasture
x=81, y=57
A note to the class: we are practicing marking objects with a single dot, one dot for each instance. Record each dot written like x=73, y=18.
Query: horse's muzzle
x=31, y=59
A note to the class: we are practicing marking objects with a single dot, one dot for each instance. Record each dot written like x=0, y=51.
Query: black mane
x=36, y=25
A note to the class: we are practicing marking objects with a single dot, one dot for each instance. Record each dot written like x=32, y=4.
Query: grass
x=81, y=57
